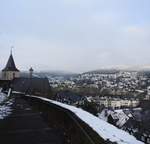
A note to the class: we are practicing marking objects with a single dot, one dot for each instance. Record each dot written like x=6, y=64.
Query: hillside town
x=107, y=86
x=121, y=98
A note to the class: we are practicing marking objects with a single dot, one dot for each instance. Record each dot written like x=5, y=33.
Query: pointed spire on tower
x=11, y=50
x=10, y=66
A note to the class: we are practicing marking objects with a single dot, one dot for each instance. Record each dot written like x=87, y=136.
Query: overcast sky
x=75, y=35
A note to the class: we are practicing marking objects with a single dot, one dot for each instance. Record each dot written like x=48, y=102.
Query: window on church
x=13, y=75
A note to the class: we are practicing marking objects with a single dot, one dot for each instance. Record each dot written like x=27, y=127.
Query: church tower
x=31, y=72
x=10, y=71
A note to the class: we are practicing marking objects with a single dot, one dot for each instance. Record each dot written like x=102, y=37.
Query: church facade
x=10, y=71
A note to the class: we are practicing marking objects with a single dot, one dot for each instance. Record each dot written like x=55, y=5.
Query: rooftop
x=10, y=66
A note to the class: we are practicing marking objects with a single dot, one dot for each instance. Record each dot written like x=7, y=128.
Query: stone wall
x=75, y=130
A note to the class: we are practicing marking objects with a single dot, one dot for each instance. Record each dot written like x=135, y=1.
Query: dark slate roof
x=10, y=66
x=68, y=97
x=33, y=86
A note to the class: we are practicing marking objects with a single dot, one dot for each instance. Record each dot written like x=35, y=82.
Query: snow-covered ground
x=104, y=129
x=5, y=107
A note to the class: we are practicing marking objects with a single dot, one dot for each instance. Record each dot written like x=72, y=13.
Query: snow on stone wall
x=104, y=129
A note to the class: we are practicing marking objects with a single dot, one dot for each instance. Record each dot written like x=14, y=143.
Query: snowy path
x=26, y=126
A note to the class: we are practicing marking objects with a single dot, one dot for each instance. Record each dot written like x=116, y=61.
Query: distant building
x=69, y=97
x=10, y=71
x=117, y=102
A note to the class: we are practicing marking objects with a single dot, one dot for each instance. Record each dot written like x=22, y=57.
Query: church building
x=10, y=71
x=29, y=84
